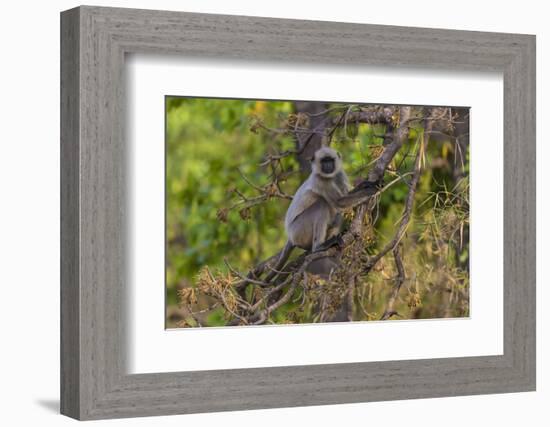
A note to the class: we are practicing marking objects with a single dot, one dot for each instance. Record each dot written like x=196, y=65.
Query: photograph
x=297, y=212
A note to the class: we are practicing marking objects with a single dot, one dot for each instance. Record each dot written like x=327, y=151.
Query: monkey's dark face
x=328, y=164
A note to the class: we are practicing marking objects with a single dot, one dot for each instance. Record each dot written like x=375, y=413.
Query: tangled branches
x=251, y=299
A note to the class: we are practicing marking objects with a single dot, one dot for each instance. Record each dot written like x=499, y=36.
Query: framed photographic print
x=262, y=213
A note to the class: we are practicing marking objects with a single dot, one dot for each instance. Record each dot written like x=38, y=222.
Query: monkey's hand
x=330, y=243
x=359, y=194
x=368, y=187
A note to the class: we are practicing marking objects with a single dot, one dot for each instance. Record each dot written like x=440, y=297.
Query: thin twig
x=399, y=280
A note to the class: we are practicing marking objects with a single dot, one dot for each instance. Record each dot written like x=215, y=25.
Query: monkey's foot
x=332, y=242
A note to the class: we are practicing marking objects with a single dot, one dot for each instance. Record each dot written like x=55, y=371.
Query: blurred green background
x=209, y=140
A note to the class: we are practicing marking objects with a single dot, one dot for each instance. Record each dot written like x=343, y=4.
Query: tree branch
x=399, y=280
x=273, y=295
x=408, y=203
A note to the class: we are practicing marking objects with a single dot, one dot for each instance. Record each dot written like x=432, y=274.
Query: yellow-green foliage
x=208, y=140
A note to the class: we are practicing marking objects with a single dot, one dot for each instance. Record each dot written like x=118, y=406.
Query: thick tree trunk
x=313, y=109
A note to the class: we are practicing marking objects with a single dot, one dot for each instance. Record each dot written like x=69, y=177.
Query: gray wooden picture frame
x=94, y=381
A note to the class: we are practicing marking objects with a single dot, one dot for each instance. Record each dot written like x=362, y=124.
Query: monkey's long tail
x=283, y=258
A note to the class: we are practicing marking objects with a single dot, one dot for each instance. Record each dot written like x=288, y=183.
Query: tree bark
x=316, y=120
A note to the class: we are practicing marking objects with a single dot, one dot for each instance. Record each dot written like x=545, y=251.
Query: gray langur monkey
x=314, y=215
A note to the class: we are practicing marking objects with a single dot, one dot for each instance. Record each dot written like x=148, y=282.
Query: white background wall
x=29, y=212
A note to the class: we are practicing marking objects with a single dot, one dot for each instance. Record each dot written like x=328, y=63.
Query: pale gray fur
x=314, y=216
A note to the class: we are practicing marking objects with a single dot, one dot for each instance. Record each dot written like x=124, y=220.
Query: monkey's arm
x=359, y=194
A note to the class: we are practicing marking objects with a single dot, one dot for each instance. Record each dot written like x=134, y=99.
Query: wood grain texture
x=70, y=297
x=94, y=382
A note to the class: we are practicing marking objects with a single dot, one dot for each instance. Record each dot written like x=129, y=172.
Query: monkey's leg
x=333, y=234
x=335, y=227
x=323, y=222
x=300, y=234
